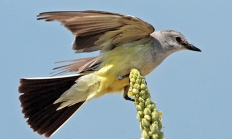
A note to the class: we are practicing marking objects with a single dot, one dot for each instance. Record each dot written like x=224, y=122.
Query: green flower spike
x=148, y=115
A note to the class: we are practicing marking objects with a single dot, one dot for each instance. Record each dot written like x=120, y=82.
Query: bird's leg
x=123, y=77
x=126, y=88
x=125, y=94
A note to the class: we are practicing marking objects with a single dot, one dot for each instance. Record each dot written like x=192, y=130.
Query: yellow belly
x=109, y=81
x=117, y=85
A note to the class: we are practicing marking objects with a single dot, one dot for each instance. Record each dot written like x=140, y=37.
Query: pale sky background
x=194, y=90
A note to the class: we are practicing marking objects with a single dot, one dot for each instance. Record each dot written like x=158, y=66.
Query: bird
x=124, y=43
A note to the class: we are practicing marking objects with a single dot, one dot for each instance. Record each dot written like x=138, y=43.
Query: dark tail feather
x=38, y=96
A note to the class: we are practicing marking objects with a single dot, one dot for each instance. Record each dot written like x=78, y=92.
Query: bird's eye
x=178, y=39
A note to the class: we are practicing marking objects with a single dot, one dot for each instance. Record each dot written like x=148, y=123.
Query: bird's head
x=172, y=41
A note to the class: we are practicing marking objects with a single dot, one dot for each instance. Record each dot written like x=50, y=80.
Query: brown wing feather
x=94, y=28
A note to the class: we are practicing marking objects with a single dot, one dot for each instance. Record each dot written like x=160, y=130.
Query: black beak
x=192, y=47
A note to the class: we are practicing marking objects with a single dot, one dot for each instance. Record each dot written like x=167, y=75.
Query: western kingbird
x=125, y=42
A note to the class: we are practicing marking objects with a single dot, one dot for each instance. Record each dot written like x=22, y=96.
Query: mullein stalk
x=147, y=114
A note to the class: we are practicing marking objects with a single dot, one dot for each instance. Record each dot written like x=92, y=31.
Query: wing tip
x=45, y=16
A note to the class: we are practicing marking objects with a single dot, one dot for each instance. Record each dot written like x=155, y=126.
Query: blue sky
x=192, y=89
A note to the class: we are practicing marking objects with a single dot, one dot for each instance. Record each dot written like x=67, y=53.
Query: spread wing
x=98, y=30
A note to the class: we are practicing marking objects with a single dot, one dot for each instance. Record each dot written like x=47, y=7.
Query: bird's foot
x=125, y=94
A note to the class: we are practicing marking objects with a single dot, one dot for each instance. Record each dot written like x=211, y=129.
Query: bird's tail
x=37, y=102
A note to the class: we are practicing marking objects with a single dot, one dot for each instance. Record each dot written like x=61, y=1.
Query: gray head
x=172, y=41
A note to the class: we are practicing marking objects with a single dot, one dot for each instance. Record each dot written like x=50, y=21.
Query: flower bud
x=154, y=115
x=141, y=99
x=154, y=128
x=151, y=107
x=138, y=116
x=145, y=122
x=139, y=108
x=142, y=105
x=154, y=136
x=142, y=92
x=143, y=86
x=147, y=117
x=135, y=91
x=161, y=135
x=132, y=80
x=138, y=81
x=137, y=86
x=145, y=135
x=147, y=111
